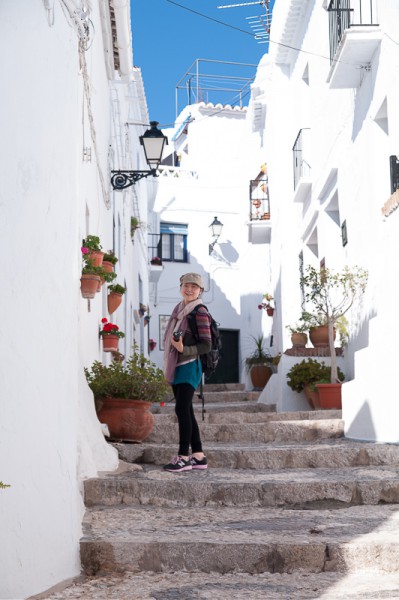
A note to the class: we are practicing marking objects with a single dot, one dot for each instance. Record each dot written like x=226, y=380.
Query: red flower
x=104, y=320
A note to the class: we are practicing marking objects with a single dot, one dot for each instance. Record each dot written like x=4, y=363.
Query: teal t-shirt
x=189, y=373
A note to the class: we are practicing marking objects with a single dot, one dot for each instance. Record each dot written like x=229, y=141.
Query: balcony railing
x=344, y=14
x=259, y=201
x=300, y=153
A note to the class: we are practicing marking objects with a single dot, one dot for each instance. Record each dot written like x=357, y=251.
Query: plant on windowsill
x=124, y=395
x=156, y=261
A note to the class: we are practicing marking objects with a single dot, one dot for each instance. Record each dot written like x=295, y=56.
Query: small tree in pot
x=333, y=294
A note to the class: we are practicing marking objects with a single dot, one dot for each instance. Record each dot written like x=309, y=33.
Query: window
x=174, y=242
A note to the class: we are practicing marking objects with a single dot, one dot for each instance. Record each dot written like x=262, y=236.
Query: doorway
x=227, y=370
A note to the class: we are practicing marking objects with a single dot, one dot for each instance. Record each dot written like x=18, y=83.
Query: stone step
x=238, y=416
x=246, y=488
x=362, y=585
x=227, y=396
x=224, y=387
x=294, y=431
x=217, y=407
x=334, y=453
x=230, y=540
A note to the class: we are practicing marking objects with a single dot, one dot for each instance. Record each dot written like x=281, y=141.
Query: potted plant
x=266, y=304
x=134, y=224
x=109, y=261
x=333, y=294
x=90, y=279
x=303, y=376
x=105, y=277
x=259, y=364
x=298, y=333
x=91, y=247
x=115, y=293
x=110, y=335
x=156, y=260
x=124, y=394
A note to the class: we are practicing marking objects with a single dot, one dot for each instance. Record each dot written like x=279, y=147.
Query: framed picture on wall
x=163, y=321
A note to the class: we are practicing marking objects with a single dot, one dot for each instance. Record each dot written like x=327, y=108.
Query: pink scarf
x=177, y=321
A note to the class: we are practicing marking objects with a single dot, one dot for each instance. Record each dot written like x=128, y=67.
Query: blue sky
x=167, y=39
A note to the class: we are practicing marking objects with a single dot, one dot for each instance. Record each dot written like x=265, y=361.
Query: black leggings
x=188, y=427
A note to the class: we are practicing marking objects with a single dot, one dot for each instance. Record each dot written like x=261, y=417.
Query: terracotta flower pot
x=319, y=336
x=96, y=257
x=114, y=300
x=88, y=285
x=330, y=395
x=312, y=396
x=270, y=311
x=128, y=420
x=107, y=266
x=299, y=340
x=110, y=342
x=260, y=375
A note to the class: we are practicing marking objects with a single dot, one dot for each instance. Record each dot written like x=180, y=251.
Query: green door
x=227, y=370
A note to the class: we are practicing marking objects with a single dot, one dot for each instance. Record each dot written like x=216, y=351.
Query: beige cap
x=192, y=278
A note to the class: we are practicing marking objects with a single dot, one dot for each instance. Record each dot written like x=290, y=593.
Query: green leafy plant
x=310, y=372
x=260, y=355
x=110, y=257
x=89, y=269
x=139, y=379
x=333, y=294
x=118, y=289
x=134, y=224
x=4, y=485
x=110, y=329
x=91, y=243
x=108, y=277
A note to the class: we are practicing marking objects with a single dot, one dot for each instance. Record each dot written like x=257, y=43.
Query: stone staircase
x=288, y=509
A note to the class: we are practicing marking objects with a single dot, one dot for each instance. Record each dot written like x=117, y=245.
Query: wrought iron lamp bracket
x=121, y=180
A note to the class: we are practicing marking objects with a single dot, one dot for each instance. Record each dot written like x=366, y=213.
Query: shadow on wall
x=362, y=422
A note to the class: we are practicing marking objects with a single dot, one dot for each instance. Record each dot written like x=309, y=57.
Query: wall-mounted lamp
x=216, y=229
x=153, y=141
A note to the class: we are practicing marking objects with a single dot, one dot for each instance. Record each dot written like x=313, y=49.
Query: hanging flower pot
x=110, y=335
x=114, y=300
x=107, y=266
x=110, y=342
x=270, y=311
x=88, y=285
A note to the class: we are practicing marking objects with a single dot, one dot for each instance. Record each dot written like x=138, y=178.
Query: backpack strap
x=194, y=330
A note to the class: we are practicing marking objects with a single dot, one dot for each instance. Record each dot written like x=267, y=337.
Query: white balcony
x=353, y=56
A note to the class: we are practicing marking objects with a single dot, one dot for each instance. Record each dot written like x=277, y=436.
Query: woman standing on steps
x=183, y=370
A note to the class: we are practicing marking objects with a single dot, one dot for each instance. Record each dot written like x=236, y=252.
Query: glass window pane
x=178, y=247
x=166, y=246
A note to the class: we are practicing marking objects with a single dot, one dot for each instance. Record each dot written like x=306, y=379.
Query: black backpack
x=210, y=360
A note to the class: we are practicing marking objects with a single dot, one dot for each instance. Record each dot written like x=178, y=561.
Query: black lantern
x=153, y=141
x=216, y=229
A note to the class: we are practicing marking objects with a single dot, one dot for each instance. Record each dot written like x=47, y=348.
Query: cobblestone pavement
x=202, y=586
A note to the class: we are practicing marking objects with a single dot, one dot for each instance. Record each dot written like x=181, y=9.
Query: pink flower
x=84, y=250
x=260, y=306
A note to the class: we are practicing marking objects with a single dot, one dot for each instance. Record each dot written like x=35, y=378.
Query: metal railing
x=344, y=14
x=154, y=246
x=259, y=200
x=300, y=151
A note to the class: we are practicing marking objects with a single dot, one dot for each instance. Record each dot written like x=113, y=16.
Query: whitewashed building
x=72, y=109
x=216, y=156
x=329, y=88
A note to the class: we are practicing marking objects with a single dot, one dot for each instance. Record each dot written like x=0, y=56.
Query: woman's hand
x=178, y=345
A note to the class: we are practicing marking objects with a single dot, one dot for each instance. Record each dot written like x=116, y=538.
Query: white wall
x=353, y=132
x=50, y=198
x=223, y=154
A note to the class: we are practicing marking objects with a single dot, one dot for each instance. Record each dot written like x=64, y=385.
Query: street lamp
x=216, y=229
x=153, y=141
